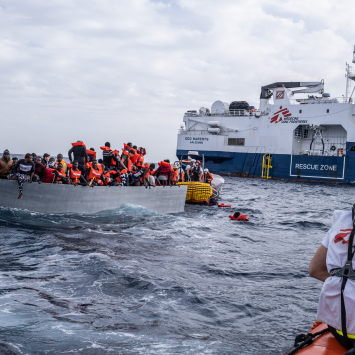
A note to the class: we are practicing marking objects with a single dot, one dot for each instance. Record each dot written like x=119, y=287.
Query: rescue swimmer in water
x=237, y=216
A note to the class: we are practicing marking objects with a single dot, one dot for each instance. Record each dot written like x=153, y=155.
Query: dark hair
x=45, y=155
x=60, y=154
x=75, y=161
x=167, y=161
x=107, y=144
x=28, y=155
x=135, y=147
x=34, y=154
x=152, y=166
x=14, y=158
x=38, y=157
x=92, y=149
x=60, y=164
x=51, y=159
x=129, y=144
x=100, y=161
x=236, y=214
x=132, y=151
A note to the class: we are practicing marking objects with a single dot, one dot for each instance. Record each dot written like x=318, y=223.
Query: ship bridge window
x=298, y=132
x=236, y=141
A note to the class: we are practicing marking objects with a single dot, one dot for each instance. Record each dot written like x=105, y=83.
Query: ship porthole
x=333, y=147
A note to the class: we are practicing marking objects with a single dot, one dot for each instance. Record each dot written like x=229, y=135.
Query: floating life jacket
x=49, y=176
x=95, y=174
x=75, y=175
x=78, y=143
x=241, y=217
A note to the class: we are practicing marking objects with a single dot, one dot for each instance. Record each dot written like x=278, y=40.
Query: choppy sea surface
x=130, y=281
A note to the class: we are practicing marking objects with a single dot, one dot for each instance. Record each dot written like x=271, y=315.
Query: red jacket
x=40, y=170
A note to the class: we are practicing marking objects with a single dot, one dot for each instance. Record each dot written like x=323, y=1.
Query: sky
x=126, y=71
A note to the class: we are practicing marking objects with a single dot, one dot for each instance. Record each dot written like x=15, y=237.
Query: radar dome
x=219, y=108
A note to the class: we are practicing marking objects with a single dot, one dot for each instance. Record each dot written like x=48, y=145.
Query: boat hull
x=284, y=166
x=57, y=198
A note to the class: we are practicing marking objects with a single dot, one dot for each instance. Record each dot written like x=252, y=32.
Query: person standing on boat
x=5, y=165
x=194, y=172
x=337, y=299
x=80, y=154
x=23, y=171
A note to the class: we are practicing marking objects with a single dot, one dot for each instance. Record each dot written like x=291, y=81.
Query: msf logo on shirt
x=278, y=115
x=340, y=237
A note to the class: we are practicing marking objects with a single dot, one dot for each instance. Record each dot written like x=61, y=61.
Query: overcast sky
x=119, y=71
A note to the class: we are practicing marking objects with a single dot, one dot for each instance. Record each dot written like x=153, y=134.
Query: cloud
x=121, y=71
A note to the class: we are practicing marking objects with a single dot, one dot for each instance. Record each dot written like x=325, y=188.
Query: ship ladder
x=266, y=166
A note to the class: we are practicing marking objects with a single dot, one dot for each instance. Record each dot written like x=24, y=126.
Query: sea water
x=130, y=281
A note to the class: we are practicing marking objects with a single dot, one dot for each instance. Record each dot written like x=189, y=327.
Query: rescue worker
x=80, y=154
x=23, y=171
x=194, y=172
x=75, y=175
x=94, y=173
x=207, y=176
x=330, y=264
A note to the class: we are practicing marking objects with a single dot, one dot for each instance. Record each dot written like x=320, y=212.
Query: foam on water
x=131, y=281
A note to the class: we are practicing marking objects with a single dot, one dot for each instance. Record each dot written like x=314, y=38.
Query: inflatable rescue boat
x=322, y=344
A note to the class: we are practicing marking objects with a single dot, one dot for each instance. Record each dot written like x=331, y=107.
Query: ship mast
x=350, y=75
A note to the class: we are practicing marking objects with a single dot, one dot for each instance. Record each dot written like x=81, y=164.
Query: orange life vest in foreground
x=107, y=177
x=95, y=174
x=176, y=175
x=62, y=174
x=75, y=175
x=91, y=152
x=139, y=160
x=242, y=218
x=129, y=164
x=208, y=177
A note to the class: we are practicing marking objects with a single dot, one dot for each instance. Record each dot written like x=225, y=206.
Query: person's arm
x=87, y=173
x=31, y=177
x=69, y=154
x=122, y=163
x=14, y=170
x=82, y=177
x=103, y=179
x=318, y=267
x=86, y=155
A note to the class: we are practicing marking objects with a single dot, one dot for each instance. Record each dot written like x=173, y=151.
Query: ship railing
x=323, y=100
x=231, y=113
x=318, y=152
x=199, y=133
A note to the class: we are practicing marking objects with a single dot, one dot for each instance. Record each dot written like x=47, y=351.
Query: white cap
x=206, y=170
x=193, y=160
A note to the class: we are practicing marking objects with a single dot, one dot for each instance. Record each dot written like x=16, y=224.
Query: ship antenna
x=350, y=75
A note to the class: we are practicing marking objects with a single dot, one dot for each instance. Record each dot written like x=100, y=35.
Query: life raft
x=224, y=205
x=324, y=344
x=197, y=192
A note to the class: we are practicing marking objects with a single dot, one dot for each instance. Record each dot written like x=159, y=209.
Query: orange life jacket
x=78, y=143
x=107, y=177
x=75, y=175
x=208, y=177
x=182, y=175
x=129, y=164
x=176, y=174
x=62, y=174
x=140, y=160
x=95, y=174
x=164, y=163
x=115, y=152
x=242, y=218
x=91, y=152
x=105, y=148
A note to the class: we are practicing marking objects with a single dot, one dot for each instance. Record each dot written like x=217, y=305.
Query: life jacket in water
x=75, y=175
x=95, y=174
x=241, y=217
x=49, y=176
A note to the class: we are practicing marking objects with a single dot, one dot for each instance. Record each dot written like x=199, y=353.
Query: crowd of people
x=114, y=169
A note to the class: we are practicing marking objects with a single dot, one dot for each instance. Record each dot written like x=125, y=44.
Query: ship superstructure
x=309, y=138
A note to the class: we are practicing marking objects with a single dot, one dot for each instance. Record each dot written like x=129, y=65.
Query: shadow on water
x=130, y=281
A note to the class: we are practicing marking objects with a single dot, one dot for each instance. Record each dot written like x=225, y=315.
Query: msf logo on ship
x=278, y=116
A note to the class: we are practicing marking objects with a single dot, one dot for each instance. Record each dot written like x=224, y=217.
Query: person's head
x=34, y=155
x=152, y=166
x=108, y=144
x=59, y=167
x=51, y=159
x=134, y=147
x=193, y=161
x=129, y=144
x=46, y=156
x=94, y=164
x=92, y=149
x=131, y=152
x=75, y=164
x=141, y=150
x=28, y=157
x=14, y=161
x=100, y=161
x=236, y=214
x=167, y=161
x=198, y=163
x=105, y=169
x=38, y=160
x=6, y=154
x=175, y=167
x=60, y=157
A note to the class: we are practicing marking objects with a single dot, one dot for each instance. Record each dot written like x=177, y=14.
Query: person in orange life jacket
x=23, y=171
x=61, y=161
x=142, y=176
x=175, y=175
x=135, y=156
x=75, y=175
x=80, y=154
x=60, y=175
x=94, y=173
x=110, y=177
x=91, y=154
x=109, y=159
x=331, y=263
x=208, y=176
x=126, y=161
x=164, y=172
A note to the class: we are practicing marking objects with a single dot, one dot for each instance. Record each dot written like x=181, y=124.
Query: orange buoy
x=224, y=205
x=324, y=344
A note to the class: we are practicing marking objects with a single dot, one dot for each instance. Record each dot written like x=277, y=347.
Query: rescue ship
x=299, y=132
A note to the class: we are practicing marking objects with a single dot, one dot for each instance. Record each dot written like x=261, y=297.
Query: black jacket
x=80, y=154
